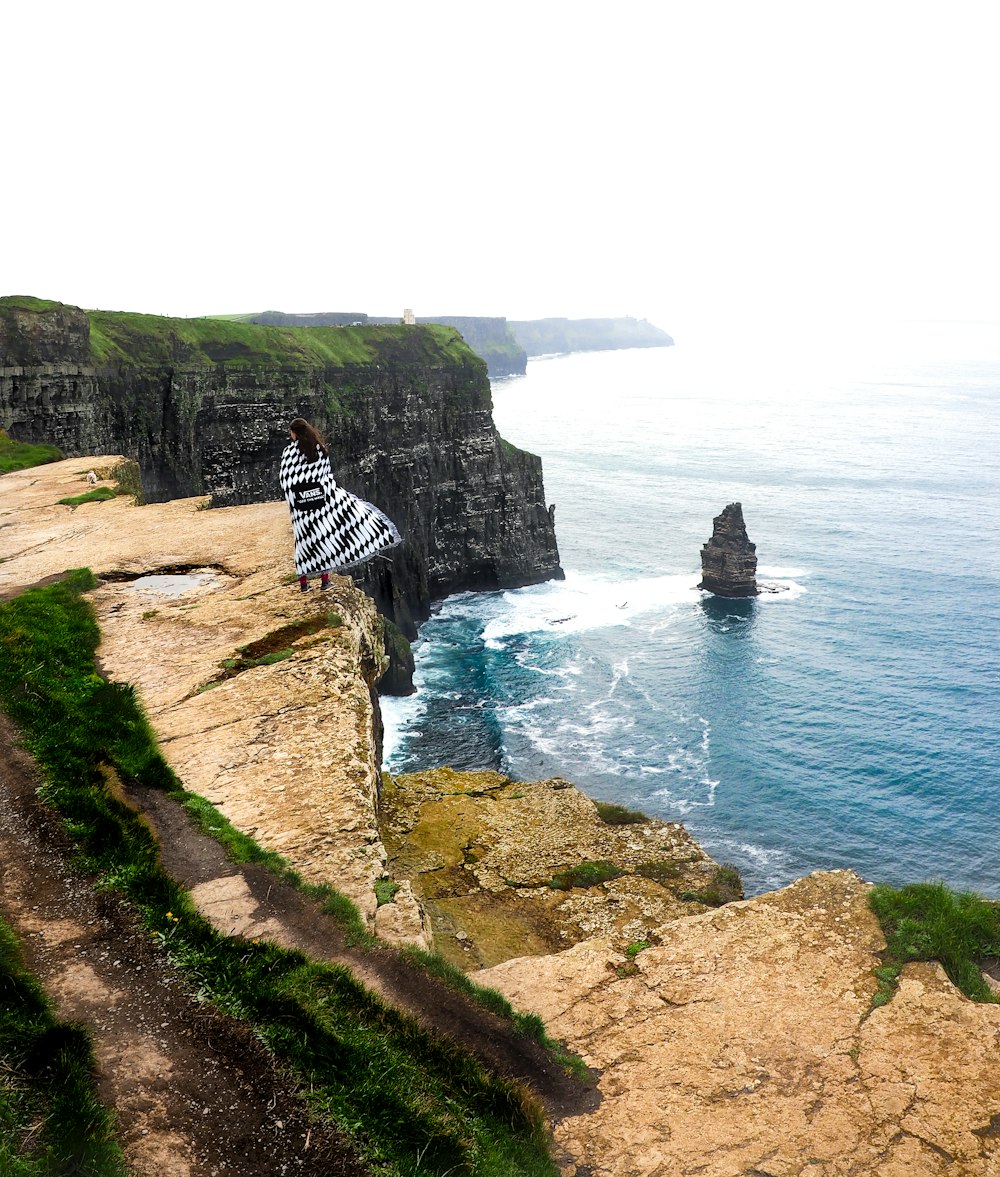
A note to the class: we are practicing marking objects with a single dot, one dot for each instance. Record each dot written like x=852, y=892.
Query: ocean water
x=851, y=719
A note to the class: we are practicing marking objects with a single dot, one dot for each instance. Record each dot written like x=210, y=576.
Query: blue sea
x=851, y=719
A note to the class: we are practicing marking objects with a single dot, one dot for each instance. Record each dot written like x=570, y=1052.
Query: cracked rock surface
x=744, y=1045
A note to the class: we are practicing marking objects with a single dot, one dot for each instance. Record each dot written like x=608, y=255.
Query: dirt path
x=177, y=1072
x=196, y=1094
x=248, y=900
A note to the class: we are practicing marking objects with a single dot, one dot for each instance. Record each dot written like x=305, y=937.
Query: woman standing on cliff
x=333, y=529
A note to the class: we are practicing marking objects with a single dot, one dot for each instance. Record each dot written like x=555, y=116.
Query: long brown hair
x=308, y=439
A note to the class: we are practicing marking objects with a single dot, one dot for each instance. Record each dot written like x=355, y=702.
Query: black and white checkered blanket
x=333, y=529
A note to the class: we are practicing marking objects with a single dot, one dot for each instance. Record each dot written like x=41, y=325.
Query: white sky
x=683, y=162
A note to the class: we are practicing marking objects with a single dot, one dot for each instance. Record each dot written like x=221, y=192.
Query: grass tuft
x=618, y=815
x=929, y=921
x=100, y=494
x=663, y=871
x=725, y=886
x=585, y=874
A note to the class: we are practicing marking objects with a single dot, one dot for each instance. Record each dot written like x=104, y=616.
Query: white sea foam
x=782, y=581
x=671, y=798
x=778, y=572
x=399, y=717
x=582, y=603
x=770, y=866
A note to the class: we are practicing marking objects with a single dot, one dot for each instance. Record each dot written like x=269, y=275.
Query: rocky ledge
x=203, y=407
x=506, y=868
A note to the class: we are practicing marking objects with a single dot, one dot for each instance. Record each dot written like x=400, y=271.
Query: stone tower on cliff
x=729, y=559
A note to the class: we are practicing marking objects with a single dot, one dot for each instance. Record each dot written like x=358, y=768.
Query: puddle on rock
x=177, y=584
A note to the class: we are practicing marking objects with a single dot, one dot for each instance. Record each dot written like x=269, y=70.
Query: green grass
x=51, y=1121
x=725, y=886
x=99, y=494
x=929, y=921
x=27, y=302
x=20, y=455
x=386, y=891
x=585, y=874
x=126, y=338
x=618, y=815
x=121, y=337
x=398, y=1091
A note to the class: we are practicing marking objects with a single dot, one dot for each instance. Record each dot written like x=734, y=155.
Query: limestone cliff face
x=492, y=339
x=203, y=406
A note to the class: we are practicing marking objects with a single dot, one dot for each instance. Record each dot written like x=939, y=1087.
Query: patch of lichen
x=505, y=868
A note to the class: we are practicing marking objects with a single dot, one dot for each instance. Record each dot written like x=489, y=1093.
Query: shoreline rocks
x=508, y=868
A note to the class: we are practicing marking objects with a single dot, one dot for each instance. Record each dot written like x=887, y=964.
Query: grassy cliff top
x=122, y=337
x=151, y=339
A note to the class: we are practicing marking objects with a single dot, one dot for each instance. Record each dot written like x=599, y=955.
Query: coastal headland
x=202, y=406
x=727, y=1040
x=504, y=344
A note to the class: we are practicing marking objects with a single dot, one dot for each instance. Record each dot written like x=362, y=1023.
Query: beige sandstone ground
x=744, y=1045
x=741, y=1043
x=284, y=750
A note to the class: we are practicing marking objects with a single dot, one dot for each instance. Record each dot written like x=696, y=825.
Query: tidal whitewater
x=850, y=720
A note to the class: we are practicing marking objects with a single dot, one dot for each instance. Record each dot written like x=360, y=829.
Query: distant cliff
x=490, y=339
x=505, y=344
x=545, y=336
x=203, y=405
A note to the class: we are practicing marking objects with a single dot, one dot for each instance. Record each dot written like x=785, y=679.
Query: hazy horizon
x=690, y=165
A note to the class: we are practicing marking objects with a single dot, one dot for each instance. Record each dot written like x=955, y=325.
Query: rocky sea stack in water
x=729, y=559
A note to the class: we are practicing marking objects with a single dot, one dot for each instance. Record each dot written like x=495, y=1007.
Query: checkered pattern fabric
x=341, y=534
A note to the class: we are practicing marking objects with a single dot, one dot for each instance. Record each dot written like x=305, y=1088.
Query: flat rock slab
x=287, y=750
x=744, y=1045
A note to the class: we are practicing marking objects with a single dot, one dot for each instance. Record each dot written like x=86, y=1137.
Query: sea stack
x=729, y=559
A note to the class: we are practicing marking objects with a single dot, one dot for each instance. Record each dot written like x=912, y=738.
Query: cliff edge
x=203, y=406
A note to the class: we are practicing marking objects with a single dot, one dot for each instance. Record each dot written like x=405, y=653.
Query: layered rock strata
x=203, y=406
x=729, y=559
